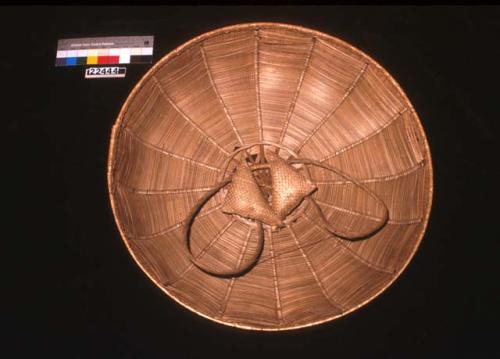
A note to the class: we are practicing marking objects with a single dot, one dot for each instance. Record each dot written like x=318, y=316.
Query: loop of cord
x=335, y=231
x=187, y=234
x=260, y=245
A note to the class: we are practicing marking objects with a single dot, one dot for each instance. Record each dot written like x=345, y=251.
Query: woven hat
x=279, y=156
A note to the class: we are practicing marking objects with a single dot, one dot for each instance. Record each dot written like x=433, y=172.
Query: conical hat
x=244, y=198
x=292, y=90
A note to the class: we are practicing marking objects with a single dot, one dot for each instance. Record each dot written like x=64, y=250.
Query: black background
x=72, y=290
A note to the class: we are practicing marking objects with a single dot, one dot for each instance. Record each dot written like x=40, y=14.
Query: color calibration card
x=105, y=51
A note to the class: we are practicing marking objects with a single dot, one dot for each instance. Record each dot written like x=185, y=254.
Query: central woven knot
x=246, y=198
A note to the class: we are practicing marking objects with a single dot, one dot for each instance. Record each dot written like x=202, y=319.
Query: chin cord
x=349, y=235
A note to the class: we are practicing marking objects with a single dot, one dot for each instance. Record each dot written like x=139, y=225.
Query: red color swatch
x=101, y=60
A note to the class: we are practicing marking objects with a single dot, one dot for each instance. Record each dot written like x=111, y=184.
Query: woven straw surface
x=297, y=90
x=245, y=198
x=289, y=187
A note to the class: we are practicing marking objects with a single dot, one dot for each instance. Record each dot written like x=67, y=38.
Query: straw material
x=289, y=187
x=246, y=199
x=305, y=129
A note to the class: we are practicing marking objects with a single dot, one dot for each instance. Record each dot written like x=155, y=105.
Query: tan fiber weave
x=279, y=153
x=289, y=187
x=246, y=199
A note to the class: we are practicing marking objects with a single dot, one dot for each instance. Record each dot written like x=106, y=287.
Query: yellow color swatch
x=91, y=60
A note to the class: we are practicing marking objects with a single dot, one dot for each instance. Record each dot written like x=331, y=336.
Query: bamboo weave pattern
x=282, y=94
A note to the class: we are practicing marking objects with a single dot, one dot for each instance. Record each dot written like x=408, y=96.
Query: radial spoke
x=297, y=90
x=313, y=272
x=349, y=250
x=231, y=283
x=367, y=216
x=367, y=137
x=168, y=153
x=257, y=85
x=202, y=253
x=172, y=227
x=162, y=191
x=401, y=174
x=279, y=312
x=189, y=120
x=334, y=109
x=219, y=97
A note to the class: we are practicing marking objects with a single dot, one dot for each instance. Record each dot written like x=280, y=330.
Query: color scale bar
x=105, y=57
x=105, y=51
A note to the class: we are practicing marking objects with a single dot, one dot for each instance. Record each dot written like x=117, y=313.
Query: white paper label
x=105, y=72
